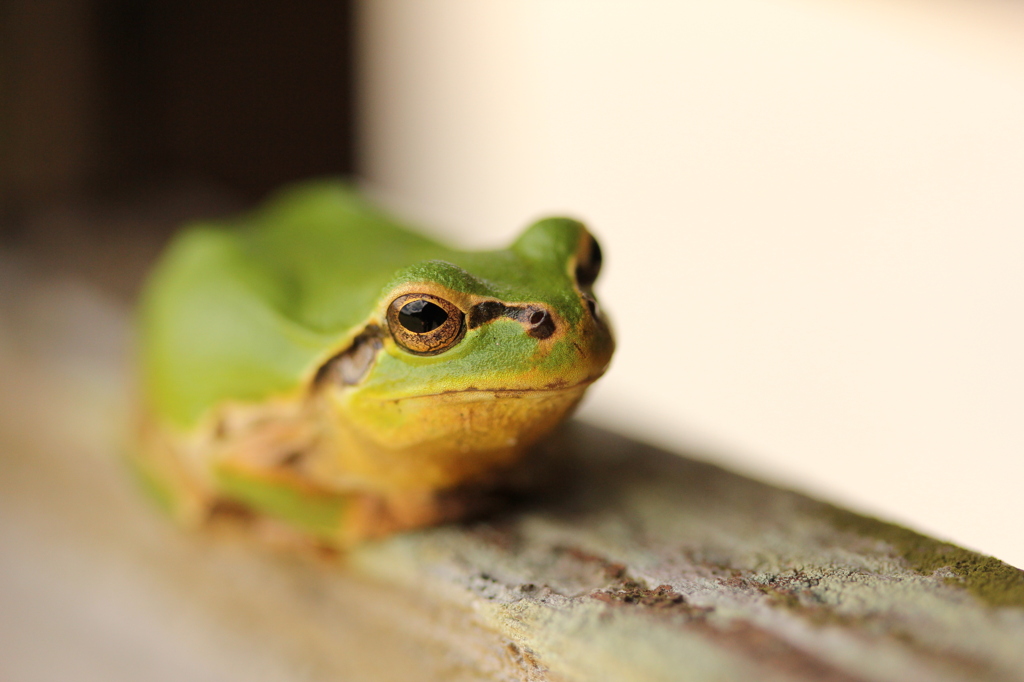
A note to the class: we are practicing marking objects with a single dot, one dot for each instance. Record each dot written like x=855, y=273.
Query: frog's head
x=469, y=358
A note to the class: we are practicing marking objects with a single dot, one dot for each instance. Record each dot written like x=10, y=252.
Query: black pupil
x=422, y=316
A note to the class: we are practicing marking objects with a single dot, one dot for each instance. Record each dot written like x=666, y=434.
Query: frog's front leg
x=259, y=466
x=249, y=467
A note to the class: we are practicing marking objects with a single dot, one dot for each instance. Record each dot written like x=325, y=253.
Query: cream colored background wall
x=813, y=216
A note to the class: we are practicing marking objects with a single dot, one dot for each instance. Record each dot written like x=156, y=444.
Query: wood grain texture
x=622, y=562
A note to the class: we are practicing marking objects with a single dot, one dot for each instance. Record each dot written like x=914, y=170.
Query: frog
x=315, y=369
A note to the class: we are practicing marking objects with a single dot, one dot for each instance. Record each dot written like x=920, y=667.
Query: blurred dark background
x=122, y=117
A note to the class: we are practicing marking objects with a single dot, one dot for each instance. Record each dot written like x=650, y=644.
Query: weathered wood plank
x=623, y=563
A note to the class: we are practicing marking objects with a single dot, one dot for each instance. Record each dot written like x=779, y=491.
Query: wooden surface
x=626, y=563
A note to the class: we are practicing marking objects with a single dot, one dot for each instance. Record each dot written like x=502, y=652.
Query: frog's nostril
x=539, y=323
x=592, y=306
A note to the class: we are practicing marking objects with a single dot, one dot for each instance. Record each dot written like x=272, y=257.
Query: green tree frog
x=320, y=368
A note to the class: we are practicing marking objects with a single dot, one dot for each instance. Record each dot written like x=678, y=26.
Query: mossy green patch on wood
x=991, y=580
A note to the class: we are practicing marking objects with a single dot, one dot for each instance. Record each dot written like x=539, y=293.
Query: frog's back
x=243, y=310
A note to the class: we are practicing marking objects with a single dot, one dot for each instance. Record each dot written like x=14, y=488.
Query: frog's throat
x=438, y=441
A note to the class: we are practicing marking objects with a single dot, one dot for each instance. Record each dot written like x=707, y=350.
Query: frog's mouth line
x=505, y=392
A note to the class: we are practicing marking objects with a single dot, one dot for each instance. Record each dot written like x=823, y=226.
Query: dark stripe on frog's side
x=351, y=365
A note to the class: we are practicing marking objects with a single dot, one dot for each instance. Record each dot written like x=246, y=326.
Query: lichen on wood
x=991, y=580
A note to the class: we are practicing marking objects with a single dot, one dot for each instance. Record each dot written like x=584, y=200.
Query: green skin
x=247, y=313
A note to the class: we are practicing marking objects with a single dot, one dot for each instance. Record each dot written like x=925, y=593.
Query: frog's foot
x=285, y=511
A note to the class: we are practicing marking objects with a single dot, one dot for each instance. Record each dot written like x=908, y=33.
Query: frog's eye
x=588, y=262
x=425, y=324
